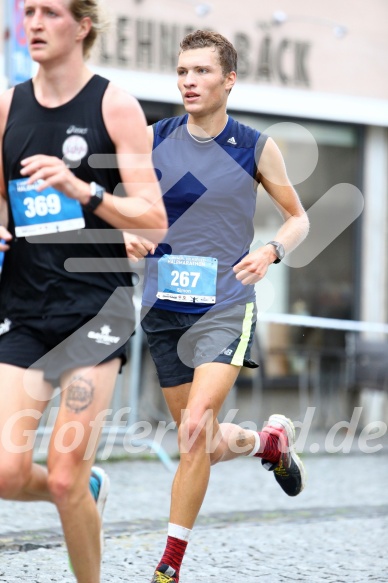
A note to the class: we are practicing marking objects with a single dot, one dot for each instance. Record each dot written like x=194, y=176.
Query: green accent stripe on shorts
x=238, y=358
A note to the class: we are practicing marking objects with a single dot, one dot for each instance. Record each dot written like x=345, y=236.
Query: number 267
x=182, y=278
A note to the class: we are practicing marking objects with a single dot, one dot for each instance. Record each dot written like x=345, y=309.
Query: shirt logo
x=5, y=326
x=232, y=141
x=104, y=337
x=75, y=130
x=75, y=148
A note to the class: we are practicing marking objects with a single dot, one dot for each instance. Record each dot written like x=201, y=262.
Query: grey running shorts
x=180, y=342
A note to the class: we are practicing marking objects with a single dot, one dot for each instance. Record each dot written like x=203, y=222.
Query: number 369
x=42, y=205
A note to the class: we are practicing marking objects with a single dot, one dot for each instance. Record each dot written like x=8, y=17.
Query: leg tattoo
x=79, y=394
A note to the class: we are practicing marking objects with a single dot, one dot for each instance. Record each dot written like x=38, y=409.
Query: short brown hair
x=207, y=38
x=88, y=9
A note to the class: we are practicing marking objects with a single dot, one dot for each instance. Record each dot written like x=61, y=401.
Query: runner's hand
x=137, y=247
x=52, y=171
x=5, y=237
x=254, y=266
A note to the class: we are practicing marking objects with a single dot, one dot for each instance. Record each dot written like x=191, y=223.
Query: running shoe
x=289, y=471
x=165, y=574
x=102, y=494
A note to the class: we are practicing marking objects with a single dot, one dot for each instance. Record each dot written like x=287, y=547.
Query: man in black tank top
x=65, y=292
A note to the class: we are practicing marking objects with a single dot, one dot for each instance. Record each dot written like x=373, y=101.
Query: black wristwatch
x=96, y=196
x=279, y=250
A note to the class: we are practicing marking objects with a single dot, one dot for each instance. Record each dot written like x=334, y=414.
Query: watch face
x=280, y=251
x=99, y=191
x=97, y=194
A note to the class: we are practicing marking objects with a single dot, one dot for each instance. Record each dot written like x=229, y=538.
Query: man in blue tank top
x=65, y=314
x=198, y=302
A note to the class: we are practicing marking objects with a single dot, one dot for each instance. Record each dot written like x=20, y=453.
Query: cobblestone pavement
x=248, y=531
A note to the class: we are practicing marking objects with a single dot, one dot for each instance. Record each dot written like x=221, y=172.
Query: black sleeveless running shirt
x=74, y=272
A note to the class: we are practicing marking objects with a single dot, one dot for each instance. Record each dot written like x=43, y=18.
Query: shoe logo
x=5, y=326
x=280, y=470
x=227, y=352
x=75, y=130
x=232, y=141
x=104, y=336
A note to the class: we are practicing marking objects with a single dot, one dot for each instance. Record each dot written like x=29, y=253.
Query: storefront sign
x=284, y=61
x=149, y=45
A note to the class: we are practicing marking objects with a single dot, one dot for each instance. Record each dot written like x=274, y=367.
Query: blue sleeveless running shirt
x=209, y=190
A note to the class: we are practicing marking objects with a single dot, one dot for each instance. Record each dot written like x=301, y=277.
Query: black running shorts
x=60, y=343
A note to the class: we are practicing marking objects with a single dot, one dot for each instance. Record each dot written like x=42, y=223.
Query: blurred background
x=315, y=77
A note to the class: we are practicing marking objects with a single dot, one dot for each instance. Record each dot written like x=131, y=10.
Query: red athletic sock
x=174, y=553
x=269, y=447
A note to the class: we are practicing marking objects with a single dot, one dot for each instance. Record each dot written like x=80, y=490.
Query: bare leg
x=202, y=400
x=87, y=393
x=24, y=395
x=232, y=441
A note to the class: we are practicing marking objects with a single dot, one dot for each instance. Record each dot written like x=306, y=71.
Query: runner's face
x=51, y=29
x=203, y=87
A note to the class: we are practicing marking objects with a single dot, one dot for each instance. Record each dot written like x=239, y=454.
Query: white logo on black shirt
x=5, y=326
x=75, y=148
x=75, y=130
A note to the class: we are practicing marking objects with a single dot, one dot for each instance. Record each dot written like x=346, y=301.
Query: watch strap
x=279, y=250
x=96, y=196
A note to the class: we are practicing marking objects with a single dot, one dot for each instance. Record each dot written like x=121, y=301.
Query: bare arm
x=142, y=209
x=5, y=102
x=273, y=176
x=137, y=247
x=150, y=137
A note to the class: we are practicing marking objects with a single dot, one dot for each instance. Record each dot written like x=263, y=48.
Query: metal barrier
x=349, y=359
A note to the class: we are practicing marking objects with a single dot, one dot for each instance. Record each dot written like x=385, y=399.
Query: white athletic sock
x=256, y=447
x=179, y=532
